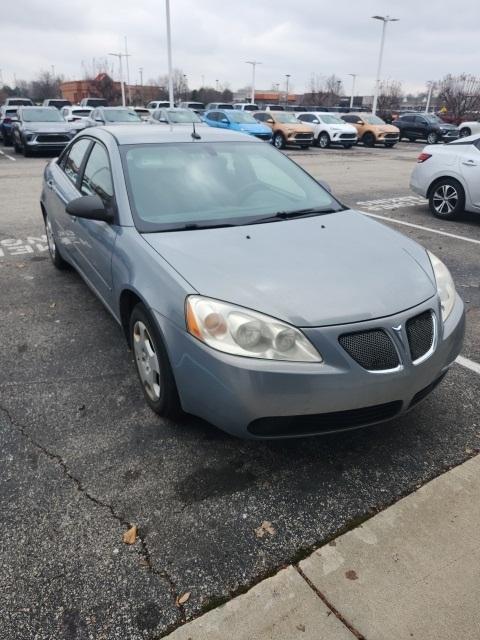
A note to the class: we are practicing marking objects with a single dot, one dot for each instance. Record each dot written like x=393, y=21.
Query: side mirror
x=164, y=120
x=315, y=121
x=270, y=121
x=359, y=122
x=90, y=208
x=323, y=184
x=224, y=120
x=100, y=120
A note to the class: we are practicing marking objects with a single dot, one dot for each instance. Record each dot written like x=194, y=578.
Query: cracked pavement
x=82, y=458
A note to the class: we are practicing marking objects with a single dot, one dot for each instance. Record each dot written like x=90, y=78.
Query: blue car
x=237, y=121
x=7, y=116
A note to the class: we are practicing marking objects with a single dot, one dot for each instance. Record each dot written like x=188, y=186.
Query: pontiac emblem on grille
x=397, y=329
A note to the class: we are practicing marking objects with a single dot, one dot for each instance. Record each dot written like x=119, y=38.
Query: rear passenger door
x=95, y=239
x=421, y=127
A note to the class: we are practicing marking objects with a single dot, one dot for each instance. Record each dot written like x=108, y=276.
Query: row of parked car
x=53, y=124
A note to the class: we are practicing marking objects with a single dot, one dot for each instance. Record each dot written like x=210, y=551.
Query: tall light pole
x=384, y=19
x=254, y=64
x=127, y=55
x=120, y=56
x=169, y=52
x=431, y=84
x=354, y=77
x=140, y=71
x=287, y=76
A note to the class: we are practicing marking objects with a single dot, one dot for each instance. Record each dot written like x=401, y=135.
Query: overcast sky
x=213, y=39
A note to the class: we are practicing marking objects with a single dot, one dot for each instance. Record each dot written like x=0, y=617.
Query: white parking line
x=469, y=364
x=419, y=226
x=7, y=156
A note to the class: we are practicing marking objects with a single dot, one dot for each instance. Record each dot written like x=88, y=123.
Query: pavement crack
x=143, y=550
x=335, y=611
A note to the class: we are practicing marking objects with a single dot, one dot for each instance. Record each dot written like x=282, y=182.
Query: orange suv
x=372, y=130
x=286, y=128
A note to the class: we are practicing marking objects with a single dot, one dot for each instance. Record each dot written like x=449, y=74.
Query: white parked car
x=468, y=128
x=75, y=112
x=449, y=177
x=329, y=129
x=158, y=104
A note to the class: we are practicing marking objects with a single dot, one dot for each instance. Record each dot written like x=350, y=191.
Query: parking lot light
x=120, y=56
x=169, y=55
x=254, y=64
x=354, y=76
x=384, y=19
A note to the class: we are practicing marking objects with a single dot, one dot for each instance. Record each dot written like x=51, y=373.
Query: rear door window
x=72, y=162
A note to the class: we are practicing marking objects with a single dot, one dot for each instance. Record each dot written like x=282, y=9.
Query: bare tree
x=180, y=84
x=390, y=95
x=459, y=94
x=45, y=86
x=324, y=91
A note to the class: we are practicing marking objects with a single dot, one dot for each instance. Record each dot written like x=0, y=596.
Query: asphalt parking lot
x=82, y=458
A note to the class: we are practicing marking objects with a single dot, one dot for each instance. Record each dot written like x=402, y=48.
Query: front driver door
x=95, y=239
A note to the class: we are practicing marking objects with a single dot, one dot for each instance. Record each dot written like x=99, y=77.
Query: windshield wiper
x=287, y=215
x=193, y=226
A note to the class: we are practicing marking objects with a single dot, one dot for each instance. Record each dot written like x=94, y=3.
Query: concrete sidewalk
x=412, y=571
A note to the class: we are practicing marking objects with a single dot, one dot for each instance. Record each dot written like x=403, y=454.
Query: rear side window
x=97, y=177
x=73, y=160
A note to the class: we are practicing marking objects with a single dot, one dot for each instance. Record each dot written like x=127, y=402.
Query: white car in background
x=449, y=177
x=469, y=128
x=329, y=129
x=75, y=113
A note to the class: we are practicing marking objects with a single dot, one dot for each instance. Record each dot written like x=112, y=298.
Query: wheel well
x=44, y=213
x=437, y=180
x=128, y=301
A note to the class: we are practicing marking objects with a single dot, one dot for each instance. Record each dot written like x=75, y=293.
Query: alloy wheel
x=445, y=199
x=278, y=141
x=323, y=140
x=432, y=138
x=147, y=360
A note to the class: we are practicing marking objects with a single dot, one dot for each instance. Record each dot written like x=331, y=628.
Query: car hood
x=323, y=270
x=50, y=127
x=385, y=128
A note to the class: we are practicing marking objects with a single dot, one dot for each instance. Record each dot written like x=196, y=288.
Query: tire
x=152, y=364
x=25, y=150
x=432, y=138
x=16, y=146
x=347, y=146
x=53, y=250
x=446, y=198
x=465, y=131
x=323, y=140
x=304, y=146
x=278, y=141
x=368, y=139
x=390, y=145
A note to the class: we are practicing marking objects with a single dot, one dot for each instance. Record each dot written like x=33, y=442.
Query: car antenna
x=195, y=135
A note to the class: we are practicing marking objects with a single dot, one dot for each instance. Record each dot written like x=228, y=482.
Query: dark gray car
x=249, y=295
x=41, y=129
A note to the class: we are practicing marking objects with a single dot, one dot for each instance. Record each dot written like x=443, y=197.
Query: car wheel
x=25, y=150
x=57, y=259
x=446, y=199
x=432, y=138
x=323, y=140
x=465, y=131
x=347, y=146
x=304, y=146
x=368, y=139
x=390, y=145
x=278, y=141
x=16, y=146
x=152, y=364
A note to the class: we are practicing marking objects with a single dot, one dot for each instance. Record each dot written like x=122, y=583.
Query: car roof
x=133, y=134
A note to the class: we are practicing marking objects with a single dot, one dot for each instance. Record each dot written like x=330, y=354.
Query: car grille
x=348, y=136
x=52, y=137
x=420, y=334
x=391, y=136
x=324, y=422
x=373, y=350
x=304, y=136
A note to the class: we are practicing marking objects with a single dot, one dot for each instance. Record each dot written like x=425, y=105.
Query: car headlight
x=445, y=285
x=243, y=332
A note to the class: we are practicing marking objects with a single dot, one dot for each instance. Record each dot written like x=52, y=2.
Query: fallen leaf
x=53, y=305
x=301, y=627
x=351, y=574
x=264, y=528
x=130, y=536
x=20, y=265
x=183, y=598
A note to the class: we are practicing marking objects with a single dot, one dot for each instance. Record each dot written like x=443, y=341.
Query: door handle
x=469, y=163
x=50, y=184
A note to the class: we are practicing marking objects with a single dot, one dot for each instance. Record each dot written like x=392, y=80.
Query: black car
x=425, y=126
x=41, y=128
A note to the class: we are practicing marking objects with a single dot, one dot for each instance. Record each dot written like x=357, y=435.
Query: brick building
x=104, y=87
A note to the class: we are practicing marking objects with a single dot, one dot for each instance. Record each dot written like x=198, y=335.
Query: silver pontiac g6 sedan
x=249, y=295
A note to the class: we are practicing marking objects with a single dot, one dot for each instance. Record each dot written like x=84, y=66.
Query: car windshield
x=184, y=115
x=121, y=115
x=49, y=114
x=285, y=117
x=371, y=119
x=84, y=113
x=331, y=119
x=241, y=117
x=172, y=186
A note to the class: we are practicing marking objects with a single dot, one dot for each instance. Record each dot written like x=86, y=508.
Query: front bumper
x=388, y=138
x=448, y=136
x=47, y=140
x=300, y=138
x=263, y=136
x=343, y=138
x=234, y=392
